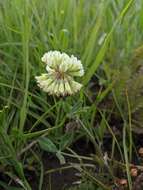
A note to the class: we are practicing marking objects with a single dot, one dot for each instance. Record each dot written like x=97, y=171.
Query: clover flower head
x=61, y=70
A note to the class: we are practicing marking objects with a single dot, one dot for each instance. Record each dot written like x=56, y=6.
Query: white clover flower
x=61, y=70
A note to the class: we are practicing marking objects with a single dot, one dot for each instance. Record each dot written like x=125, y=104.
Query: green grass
x=104, y=35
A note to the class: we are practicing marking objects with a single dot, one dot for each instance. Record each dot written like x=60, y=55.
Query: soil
x=60, y=180
x=64, y=179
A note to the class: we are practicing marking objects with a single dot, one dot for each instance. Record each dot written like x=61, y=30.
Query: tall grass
x=102, y=33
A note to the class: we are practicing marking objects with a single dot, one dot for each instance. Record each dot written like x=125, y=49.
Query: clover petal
x=61, y=70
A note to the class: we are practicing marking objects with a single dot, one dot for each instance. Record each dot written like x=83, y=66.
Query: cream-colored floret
x=61, y=70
